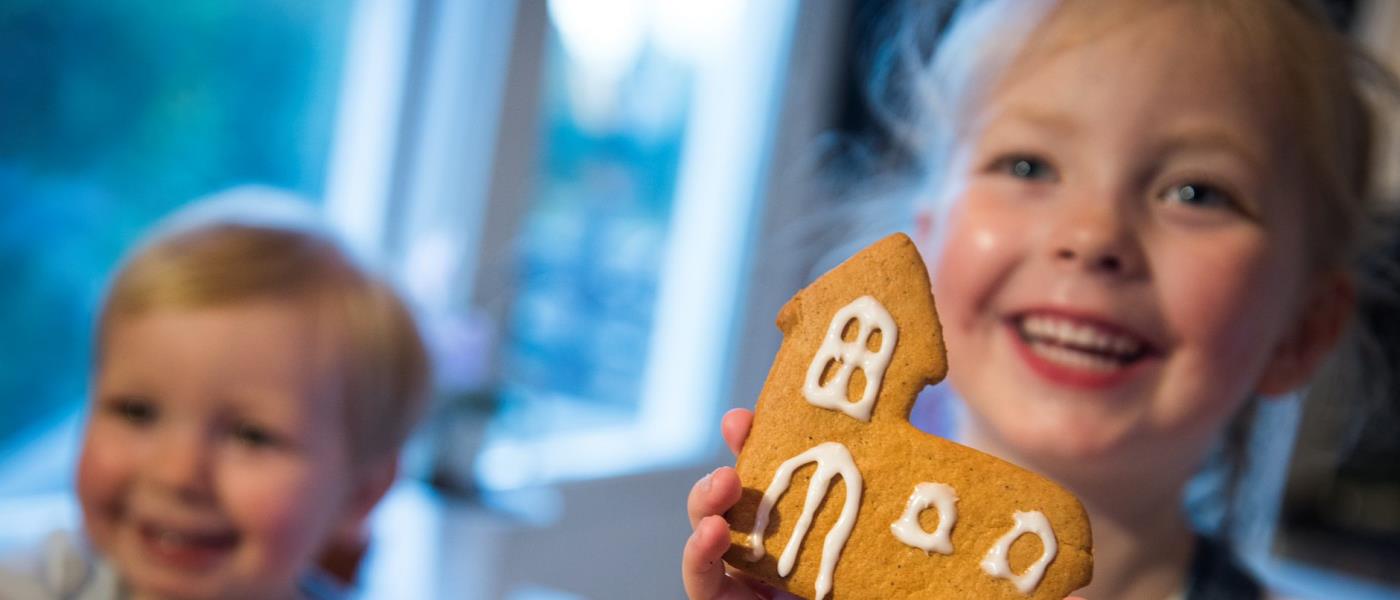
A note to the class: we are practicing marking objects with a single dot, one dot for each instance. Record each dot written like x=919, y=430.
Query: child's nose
x=1097, y=241
x=181, y=466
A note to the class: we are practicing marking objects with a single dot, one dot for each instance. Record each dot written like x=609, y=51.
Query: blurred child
x=252, y=387
x=1142, y=215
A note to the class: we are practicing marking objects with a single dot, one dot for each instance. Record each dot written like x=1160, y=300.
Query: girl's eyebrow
x=1055, y=123
x=1213, y=139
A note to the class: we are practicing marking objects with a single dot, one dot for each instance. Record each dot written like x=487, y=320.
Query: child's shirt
x=67, y=568
x=1215, y=575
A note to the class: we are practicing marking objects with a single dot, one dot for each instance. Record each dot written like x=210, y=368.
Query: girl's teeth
x=1085, y=337
x=1079, y=336
x=1074, y=358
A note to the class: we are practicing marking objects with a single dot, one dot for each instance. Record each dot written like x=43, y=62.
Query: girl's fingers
x=712, y=495
x=759, y=589
x=735, y=428
x=702, y=565
x=702, y=568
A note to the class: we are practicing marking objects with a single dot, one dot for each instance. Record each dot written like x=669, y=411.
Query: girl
x=1141, y=216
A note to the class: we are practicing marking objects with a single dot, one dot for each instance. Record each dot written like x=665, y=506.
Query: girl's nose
x=1096, y=240
x=1105, y=259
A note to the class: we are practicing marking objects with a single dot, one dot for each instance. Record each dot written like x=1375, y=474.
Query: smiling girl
x=1140, y=216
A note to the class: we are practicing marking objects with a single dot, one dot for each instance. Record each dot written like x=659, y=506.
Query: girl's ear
x=1316, y=333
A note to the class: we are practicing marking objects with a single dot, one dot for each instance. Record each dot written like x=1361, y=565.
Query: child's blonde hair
x=253, y=244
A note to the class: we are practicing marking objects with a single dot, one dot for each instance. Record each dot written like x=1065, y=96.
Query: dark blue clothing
x=1215, y=575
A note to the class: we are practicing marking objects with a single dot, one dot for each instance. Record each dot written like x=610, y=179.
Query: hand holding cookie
x=888, y=511
x=702, y=569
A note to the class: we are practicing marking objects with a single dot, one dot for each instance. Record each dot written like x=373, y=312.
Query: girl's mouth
x=186, y=549
x=1077, y=352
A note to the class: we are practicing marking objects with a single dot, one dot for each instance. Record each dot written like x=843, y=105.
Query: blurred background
x=598, y=207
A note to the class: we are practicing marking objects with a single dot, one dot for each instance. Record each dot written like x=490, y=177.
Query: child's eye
x=1199, y=195
x=254, y=436
x=1025, y=167
x=134, y=410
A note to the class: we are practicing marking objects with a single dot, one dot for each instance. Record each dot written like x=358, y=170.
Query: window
x=578, y=183
x=114, y=114
x=655, y=121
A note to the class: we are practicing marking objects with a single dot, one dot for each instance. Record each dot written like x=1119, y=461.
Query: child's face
x=1121, y=249
x=213, y=465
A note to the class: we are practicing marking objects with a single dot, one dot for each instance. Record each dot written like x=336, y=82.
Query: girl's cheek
x=1225, y=291
x=972, y=246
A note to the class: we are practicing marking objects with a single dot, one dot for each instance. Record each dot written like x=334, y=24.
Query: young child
x=252, y=388
x=1141, y=215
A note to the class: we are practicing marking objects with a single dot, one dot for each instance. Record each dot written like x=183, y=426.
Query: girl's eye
x=134, y=410
x=1025, y=167
x=1199, y=195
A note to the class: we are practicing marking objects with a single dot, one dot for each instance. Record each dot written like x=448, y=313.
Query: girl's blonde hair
x=254, y=244
x=941, y=57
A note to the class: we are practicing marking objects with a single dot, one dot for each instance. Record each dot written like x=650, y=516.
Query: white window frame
x=437, y=137
x=720, y=184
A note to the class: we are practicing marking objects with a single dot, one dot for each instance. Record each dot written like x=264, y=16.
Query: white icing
x=907, y=529
x=996, y=565
x=832, y=459
x=871, y=317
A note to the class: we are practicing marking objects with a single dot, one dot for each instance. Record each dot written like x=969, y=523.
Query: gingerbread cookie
x=844, y=499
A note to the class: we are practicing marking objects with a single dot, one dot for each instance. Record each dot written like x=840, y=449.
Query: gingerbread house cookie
x=843, y=498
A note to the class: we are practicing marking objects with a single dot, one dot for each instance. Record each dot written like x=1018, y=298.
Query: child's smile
x=190, y=548
x=1077, y=350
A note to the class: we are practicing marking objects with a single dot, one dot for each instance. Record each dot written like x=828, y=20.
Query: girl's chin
x=1062, y=441
x=1046, y=446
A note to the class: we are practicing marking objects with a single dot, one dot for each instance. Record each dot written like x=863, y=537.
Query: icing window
x=996, y=564
x=861, y=338
x=907, y=528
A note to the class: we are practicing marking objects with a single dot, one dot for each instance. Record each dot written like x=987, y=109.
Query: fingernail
x=707, y=481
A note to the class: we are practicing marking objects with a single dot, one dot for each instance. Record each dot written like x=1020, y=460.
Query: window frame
x=425, y=160
x=721, y=180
